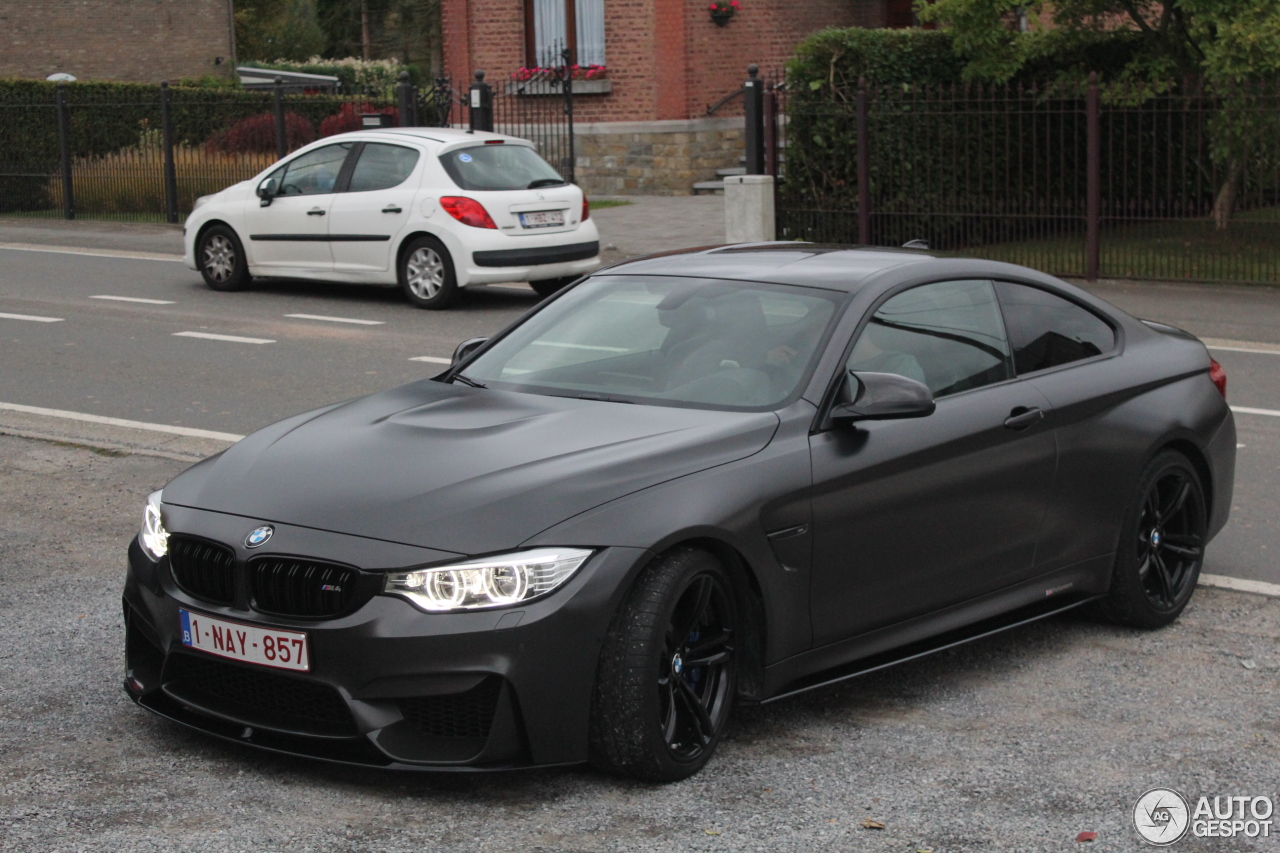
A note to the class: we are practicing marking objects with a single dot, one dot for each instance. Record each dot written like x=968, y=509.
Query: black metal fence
x=1079, y=181
x=146, y=153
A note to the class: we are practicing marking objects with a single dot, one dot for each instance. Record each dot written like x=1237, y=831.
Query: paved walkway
x=648, y=224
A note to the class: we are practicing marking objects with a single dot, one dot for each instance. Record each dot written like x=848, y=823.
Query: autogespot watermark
x=1162, y=817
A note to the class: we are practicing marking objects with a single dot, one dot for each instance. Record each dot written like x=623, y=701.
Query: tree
x=267, y=30
x=1222, y=43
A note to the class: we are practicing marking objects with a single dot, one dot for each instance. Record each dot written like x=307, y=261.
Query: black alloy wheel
x=668, y=671
x=220, y=256
x=1162, y=546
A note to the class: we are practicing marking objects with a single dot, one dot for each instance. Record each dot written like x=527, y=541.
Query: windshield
x=666, y=341
x=499, y=167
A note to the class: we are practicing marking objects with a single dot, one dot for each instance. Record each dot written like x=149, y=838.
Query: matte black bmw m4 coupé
x=688, y=481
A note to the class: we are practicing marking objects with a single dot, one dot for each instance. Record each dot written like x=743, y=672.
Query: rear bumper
x=390, y=686
x=540, y=256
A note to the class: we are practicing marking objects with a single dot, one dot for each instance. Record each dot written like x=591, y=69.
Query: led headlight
x=154, y=538
x=489, y=581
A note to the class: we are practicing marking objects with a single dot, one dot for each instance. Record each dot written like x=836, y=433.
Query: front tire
x=426, y=274
x=1162, y=543
x=222, y=261
x=668, y=671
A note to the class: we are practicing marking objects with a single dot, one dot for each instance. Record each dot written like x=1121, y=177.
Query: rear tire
x=220, y=255
x=426, y=274
x=548, y=286
x=668, y=671
x=1161, y=548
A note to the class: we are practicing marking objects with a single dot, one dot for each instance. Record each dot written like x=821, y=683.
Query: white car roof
x=443, y=135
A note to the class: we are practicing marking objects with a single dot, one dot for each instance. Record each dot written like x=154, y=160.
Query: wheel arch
x=1200, y=462
x=204, y=227
x=414, y=235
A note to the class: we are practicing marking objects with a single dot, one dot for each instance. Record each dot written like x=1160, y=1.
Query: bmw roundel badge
x=259, y=536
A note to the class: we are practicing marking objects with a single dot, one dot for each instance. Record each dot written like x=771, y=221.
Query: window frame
x=1117, y=331
x=532, y=59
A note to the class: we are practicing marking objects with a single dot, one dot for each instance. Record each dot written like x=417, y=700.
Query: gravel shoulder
x=1015, y=743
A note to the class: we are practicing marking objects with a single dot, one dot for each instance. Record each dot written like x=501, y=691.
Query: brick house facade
x=143, y=41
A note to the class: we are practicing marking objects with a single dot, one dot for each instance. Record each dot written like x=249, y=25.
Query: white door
x=364, y=220
x=292, y=232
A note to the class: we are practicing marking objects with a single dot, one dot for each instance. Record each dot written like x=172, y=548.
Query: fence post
x=864, y=167
x=1093, y=201
x=481, y=104
x=64, y=148
x=770, y=130
x=753, y=109
x=170, y=170
x=405, y=90
x=282, y=144
x=567, y=56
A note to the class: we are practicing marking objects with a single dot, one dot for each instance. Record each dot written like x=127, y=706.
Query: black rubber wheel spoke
x=1165, y=581
x=1179, y=500
x=702, y=597
x=1180, y=550
x=701, y=719
x=708, y=645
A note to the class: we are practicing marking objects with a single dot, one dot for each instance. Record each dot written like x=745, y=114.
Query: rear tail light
x=1218, y=376
x=586, y=208
x=468, y=211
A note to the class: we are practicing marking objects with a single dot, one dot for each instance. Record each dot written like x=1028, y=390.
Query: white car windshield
x=667, y=341
x=499, y=168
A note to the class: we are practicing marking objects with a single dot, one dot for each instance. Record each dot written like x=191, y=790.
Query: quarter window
x=1047, y=330
x=315, y=172
x=382, y=166
x=948, y=335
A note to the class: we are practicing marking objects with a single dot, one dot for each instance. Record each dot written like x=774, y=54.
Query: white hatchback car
x=429, y=209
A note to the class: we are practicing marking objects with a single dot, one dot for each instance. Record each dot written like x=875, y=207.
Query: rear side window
x=499, y=167
x=382, y=166
x=1047, y=330
x=947, y=335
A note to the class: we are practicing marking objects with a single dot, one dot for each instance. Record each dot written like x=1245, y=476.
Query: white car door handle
x=391, y=209
x=316, y=212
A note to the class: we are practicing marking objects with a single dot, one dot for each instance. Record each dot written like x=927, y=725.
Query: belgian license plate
x=542, y=219
x=248, y=643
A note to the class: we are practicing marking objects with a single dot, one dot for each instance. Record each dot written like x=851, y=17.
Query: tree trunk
x=364, y=30
x=1225, y=203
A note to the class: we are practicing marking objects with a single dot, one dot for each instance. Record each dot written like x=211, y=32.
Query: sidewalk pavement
x=647, y=224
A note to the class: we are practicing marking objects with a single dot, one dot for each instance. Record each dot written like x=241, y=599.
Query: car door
x=916, y=514
x=375, y=207
x=292, y=232
x=1062, y=348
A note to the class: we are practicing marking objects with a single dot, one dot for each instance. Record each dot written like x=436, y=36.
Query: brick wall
x=132, y=40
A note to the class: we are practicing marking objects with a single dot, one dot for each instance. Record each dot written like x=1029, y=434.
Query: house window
x=553, y=25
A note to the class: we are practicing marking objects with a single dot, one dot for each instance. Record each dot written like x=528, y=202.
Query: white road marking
x=93, y=253
x=1245, y=410
x=136, y=299
x=1242, y=346
x=337, y=319
x=431, y=359
x=31, y=318
x=235, y=339
x=120, y=422
x=1240, y=584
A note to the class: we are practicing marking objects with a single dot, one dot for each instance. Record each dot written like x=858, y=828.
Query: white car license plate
x=542, y=219
x=248, y=643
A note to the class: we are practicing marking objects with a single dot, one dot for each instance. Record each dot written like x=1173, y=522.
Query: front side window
x=666, y=341
x=1047, y=330
x=382, y=166
x=315, y=172
x=499, y=167
x=948, y=335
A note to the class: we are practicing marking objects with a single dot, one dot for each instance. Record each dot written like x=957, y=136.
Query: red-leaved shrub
x=347, y=118
x=258, y=134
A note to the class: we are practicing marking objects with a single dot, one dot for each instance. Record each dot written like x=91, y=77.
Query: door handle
x=316, y=212
x=1023, y=417
x=391, y=209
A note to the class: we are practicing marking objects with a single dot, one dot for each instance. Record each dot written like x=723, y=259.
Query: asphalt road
x=1014, y=743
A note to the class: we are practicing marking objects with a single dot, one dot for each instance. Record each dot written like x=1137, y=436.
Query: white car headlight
x=489, y=581
x=153, y=538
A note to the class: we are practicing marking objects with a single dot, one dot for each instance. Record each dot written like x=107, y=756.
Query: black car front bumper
x=389, y=685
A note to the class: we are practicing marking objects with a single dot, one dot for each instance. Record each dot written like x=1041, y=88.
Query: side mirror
x=267, y=191
x=465, y=349
x=881, y=396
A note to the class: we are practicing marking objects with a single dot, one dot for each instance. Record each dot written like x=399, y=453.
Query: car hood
x=461, y=469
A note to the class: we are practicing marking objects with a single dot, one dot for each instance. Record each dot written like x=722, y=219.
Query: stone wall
x=141, y=41
x=654, y=157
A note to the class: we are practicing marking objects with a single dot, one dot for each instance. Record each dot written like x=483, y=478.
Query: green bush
x=831, y=60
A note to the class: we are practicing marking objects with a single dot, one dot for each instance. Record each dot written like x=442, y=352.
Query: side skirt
x=1048, y=595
